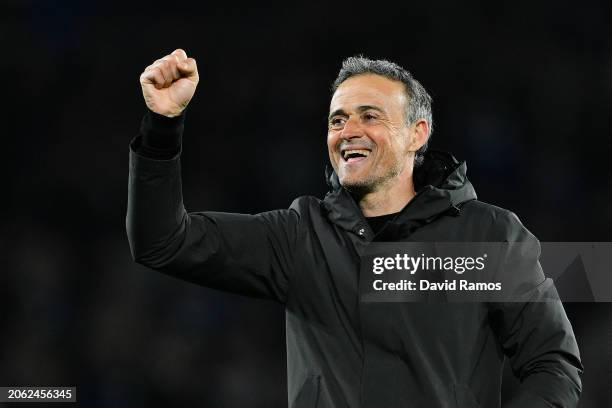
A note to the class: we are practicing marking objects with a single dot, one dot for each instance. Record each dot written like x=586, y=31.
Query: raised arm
x=246, y=254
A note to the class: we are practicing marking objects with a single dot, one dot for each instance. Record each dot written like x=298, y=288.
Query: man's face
x=368, y=140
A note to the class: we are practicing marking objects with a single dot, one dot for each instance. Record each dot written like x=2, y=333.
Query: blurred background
x=522, y=92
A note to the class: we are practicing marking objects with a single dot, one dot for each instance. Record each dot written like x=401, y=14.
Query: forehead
x=369, y=89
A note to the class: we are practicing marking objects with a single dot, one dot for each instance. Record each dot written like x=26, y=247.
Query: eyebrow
x=360, y=109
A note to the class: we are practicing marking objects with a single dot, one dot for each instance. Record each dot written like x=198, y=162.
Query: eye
x=336, y=122
x=369, y=116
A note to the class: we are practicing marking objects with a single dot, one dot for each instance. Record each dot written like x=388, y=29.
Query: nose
x=352, y=129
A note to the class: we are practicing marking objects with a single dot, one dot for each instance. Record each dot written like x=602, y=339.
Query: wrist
x=161, y=132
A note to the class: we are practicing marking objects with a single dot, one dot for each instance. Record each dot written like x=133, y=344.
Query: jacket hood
x=441, y=185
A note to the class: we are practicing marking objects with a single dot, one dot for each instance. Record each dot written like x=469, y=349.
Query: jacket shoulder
x=487, y=210
x=304, y=205
x=504, y=225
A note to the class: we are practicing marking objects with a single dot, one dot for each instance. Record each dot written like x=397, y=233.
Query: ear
x=419, y=132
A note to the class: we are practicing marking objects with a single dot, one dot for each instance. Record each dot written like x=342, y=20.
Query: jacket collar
x=441, y=184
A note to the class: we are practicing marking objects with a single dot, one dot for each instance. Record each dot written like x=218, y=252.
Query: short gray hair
x=419, y=101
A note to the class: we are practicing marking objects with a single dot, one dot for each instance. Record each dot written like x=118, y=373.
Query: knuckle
x=172, y=64
x=179, y=52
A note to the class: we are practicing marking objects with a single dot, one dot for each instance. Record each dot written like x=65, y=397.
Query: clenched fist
x=169, y=83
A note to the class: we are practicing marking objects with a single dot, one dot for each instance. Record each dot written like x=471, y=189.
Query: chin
x=359, y=187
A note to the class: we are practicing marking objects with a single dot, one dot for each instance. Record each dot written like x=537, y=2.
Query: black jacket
x=342, y=352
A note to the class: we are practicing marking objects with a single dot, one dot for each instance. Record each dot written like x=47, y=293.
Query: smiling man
x=373, y=137
x=386, y=186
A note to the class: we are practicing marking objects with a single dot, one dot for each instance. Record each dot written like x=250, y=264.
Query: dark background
x=522, y=91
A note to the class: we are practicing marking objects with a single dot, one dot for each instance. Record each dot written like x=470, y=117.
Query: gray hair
x=419, y=101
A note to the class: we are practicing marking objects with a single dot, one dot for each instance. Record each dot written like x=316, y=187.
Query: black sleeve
x=240, y=253
x=159, y=136
x=533, y=329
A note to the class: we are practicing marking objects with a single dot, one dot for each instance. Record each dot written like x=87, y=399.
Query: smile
x=351, y=155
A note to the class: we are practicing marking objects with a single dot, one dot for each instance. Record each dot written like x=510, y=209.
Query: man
x=342, y=352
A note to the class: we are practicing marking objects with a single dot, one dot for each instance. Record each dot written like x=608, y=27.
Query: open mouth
x=352, y=155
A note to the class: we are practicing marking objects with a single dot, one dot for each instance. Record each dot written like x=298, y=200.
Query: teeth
x=365, y=153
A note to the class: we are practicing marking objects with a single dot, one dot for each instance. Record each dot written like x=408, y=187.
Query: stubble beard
x=372, y=183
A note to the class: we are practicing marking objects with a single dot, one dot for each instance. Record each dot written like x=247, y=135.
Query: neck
x=389, y=198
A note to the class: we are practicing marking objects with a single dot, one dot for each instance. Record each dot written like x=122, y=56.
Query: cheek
x=332, y=141
x=382, y=142
x=389, y=147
